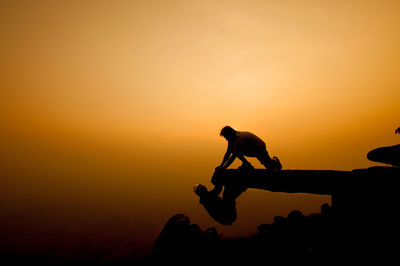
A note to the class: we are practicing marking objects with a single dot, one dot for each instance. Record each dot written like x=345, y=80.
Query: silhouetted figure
x=241, y=144
x=389, y=155
x=223, y=210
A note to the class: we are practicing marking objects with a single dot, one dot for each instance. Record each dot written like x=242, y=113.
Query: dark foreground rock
x=295, y=238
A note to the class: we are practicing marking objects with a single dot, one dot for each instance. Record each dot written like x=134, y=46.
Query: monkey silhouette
x=243, y=143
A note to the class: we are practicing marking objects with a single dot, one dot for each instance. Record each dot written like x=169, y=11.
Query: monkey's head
x=228, y=133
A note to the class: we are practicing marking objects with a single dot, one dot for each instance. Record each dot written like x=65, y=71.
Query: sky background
x=110, y=111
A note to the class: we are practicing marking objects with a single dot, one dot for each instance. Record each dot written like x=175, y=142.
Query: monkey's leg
x=265, y=159
x=245, y=163
x=272, y=164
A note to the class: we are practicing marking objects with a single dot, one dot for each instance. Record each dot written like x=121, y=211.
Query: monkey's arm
x=397, y=131
x=230, y=161
x=226, y=157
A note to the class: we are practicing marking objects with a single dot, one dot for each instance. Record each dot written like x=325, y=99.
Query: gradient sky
x=118, y=104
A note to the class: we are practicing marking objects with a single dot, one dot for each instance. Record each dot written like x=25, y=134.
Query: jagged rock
x=181, y=240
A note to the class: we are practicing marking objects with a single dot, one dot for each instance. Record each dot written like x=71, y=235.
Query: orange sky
x=106, y=98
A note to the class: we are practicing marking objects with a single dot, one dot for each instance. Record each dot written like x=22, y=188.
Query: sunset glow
x=116, y=106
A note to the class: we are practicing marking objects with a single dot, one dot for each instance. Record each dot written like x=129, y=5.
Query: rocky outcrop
x=292, y=238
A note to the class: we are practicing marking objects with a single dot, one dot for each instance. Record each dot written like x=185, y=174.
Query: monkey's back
x=248, y=142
